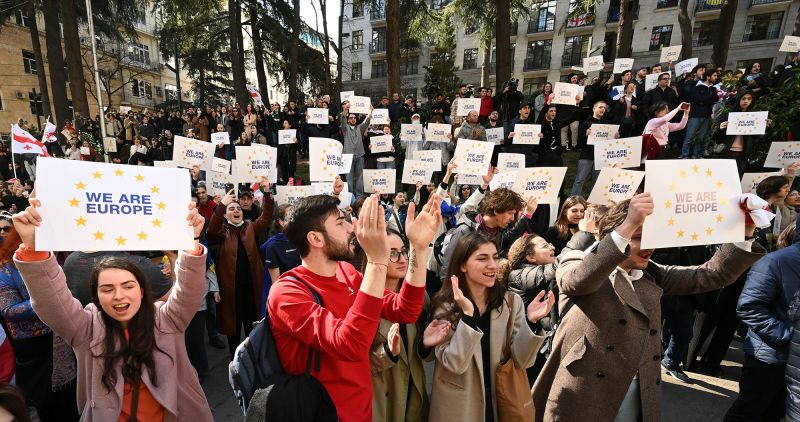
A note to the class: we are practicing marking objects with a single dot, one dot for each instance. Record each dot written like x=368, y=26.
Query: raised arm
x=267, y=207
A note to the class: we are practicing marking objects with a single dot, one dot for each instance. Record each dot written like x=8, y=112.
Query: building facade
x=545, y=49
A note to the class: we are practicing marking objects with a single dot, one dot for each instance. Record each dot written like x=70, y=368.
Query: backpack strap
x=313, y=354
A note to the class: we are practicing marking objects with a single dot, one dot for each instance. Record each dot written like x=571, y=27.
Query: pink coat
x=660, y=127
x=178, y=388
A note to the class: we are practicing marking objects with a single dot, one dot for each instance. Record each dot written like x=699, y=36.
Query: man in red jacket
x=343, y=328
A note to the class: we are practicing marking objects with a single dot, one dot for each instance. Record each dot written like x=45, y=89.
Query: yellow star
x=709, y=173
x=694, y=236
x=695, y=168
x=723, y=201
x=719, y=184
x=121, y=241
x=156, y=223
x=680, y=233
x=719, y=218
x=98, y=235
x=97, y=175
x=161, y=205
x=709, y=231
x=154, y=189
x=80, y=221
x=80, y=185
x=142, y=235
x=139, y=178
x=682, y=173
x=118, y=172
x=671, y=221
x=668, y=204
x=73, y=202
x=672, y=187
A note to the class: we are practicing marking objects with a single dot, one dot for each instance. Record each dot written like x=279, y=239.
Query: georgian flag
x=23, y=142
x=49, y=133
x=255, y=95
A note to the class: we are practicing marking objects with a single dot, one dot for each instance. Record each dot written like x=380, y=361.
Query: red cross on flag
x=23, y=142
x=255, y=95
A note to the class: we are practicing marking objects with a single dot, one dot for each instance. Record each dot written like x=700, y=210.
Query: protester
x=572, y=212
x=12, y=404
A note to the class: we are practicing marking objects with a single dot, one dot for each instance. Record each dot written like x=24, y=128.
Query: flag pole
x=13, y=164
x=96, y=76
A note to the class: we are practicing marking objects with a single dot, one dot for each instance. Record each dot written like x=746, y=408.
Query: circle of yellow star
x=709, y=231
x=668, y=204
x=695, y=168
x=80, y=221
x=118, y=172
x=682, y=173
x=154, y=189
x=97, y=175
x=73, y=202
x=680, y=233
x=161, y=205
x=709, y=173
x=98, y=235
x=694, y=236
x=719, y=218
x=671, y=221
x=719, y=184
x=139, y=178
x=80, y=185
x=121, y=241
x=156, y=223
x=142, y=235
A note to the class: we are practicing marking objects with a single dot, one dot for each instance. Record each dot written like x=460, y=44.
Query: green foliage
x=783, y=105
x=440, y=76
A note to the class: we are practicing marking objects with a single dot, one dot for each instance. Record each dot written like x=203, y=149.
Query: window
x=1, y=101
x=378, y=43
x=141, y=89
x=170, y=92
x=22, y=18
x=763, y=27
x=358, y=39
x=356, y=72
x=379, y=68
x=660, y=37
x=531, y=86
x=575, y=49
x=377, y=10
x=358, y=8
x=409, y=66
x=610, y=47
x=661, y=4
x=702, y=33
x=158, y=92
x=614, y=13
x=493, y=57
x=538, y=55
x=29, y=61
x=581, y=16
x=543, y=19
x=470, y=58
x=35, y=103
x=139, y=53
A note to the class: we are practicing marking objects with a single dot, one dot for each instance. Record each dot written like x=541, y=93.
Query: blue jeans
x=696, y=128
x=678, y=314
x=585, y=168
x=355, y=179
x=385, y=165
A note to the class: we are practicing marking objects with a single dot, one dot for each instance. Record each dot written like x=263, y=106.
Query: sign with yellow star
x=287, y=136
x=615, y=185
x=526, y=134
x=291, y=194
x=326, y=188
x=256, y=161
x=169, y=164
x=324, y=159
x=438, y=132
x=190, y=152
x=431, y=156
x=465, y=105
x=696, y=203
x=382, y=143
x=410, y=132
x=473, y=157
x=380, y=181
x=507, y=161
x=751, y=180
x=544, y=183
x=106, y=207
x=565, y=93
x=416, y=171
x=219, y=183
x=220, y=165
x=626, y=151
x=318, y=116
x=782, y=154
x=599, y=132
x=790, y=44
x=360, y=104
x=747, y=123
x=505, y=180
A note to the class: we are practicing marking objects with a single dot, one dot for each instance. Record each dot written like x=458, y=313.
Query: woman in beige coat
x=479, y=309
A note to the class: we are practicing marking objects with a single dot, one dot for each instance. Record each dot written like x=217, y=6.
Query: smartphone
x=684, y=106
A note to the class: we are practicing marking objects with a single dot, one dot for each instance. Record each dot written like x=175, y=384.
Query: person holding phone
x=656, y=131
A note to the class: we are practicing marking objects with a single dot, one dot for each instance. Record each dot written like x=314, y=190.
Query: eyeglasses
x=545, y=245
x=394, y=254
x=5, y=229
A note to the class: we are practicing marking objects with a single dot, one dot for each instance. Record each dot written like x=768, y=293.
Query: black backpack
x=267, y=393
x=442, y=241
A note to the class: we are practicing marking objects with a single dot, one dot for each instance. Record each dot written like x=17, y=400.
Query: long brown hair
x=521, y=248
x=443, y=302
x=137, y=351
x=562, y=224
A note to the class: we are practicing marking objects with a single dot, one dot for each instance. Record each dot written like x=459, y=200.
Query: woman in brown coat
x=240, y=270
x=606, y=355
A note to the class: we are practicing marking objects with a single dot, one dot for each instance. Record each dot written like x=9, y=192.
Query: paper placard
x=615, y=185
x=346, y=95
x=782, y=154
x=190, y=152
x=324, y=158
x=416, y=171
x=618, y=92
x=543, y=183
x=432, y=156
x=696, y=203
x=495, y=135
x=626, y=151
x=287, y=136
x=318, y=116
x=438, y=132
x=469, y=179
x=747, y=123
x=220, y=165
x=651, y=80
x=111, y=207
x=291, y=194
x=503, y=181
x=380, y=116
x=473, y=157
x=686, y=66
x=600, y=132
x=379, y=181
x=790, y=44
x=751, y=180
x=382, y=143
x=621, y=65
x=347, y=163
x=110, y=144
x=525, y=134
x=220, y=138
x=360, y=105
x=124, y=109
x=164, y=164
x=218, y=183
x=410, y=132
x=593, y=64
x=508, y=162
x=565, y=93
x=465, y=105
x=670, y=54
x=256, y=161
x=85, y=151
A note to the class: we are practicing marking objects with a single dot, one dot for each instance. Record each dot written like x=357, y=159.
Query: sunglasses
x=394, y=254
x=5, y=229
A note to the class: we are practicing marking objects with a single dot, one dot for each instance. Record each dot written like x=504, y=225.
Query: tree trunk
x=237, y=55
x=796, y=31
x=323, y=6
x=503, y=42
x=340, y=51
x=294, y=52
x=685, y=22
x=722, y=34
x=201, y=91
x=72, y=53
x=393, y=46
x=258, y=52
x=55, y=62
x=486, y=69
x=37, y=52
x=624, y=45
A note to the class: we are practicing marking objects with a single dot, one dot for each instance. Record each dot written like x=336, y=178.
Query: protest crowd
x=524, y=309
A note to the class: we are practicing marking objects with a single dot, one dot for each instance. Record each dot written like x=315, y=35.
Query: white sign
x=615, y=185
x=626, y=151
x=751, y=180
x=473, y=157
x=360, y=105
x=782, y=154
x=287, y=136
x=543, y=183
x=382, y=143
x=164, y=164
x=380, y=116
x=600, y=132
x=255, y=161
x=508, y=162
x=593, y=64
x=618, y=92
x=347, y=163
x=621, y=65
x=416, y=171
x=438, y=132
x=190, y=152
x=651, y=80
x=291, y=194
x=432, y=156
x=110, y=144
x=410, y=132
x=495, y=135
x=696, y=203
x=465, y=105
x=469, y=179
x=790, y=44
x=85, y=151
x=670, y=54
x=218, y=183
x=503, y=181
x=318, y=116
x=686, y=66
x=220, y=138
x=747, y=123
x=565, y=93
x=124, y=109
x=324, y=158
x=526, y=134
x=111, y=207
x=346, y=95
x=220, y=165
x=379, y=181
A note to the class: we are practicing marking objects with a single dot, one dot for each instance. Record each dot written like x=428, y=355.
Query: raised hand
x=370, y=230
x=539, y=308
x=228, y=198
x=531, y=204
x=25, y=223
x=393, y=339
x=467, y=308
x=435, y=333
x=338, y=185
x=487, y=178
x=195, y=220
x=422, y=228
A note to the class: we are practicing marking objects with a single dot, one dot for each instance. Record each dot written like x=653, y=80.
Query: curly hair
x=613, y=218
x=521, y=248
x=770, y=186
x=500, y=201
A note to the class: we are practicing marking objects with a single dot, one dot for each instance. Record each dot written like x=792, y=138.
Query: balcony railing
x=707, y=5
x=378, y=46
x=581, y=20
x=377, y=14
x=543, y=24
x=537, y=64
x=760, y=2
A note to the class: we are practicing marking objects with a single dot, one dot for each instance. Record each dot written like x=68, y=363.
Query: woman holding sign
x=131, y=353
x=737, y=147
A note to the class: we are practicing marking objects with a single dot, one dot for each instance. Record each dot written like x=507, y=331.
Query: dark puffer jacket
x=793, y=363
